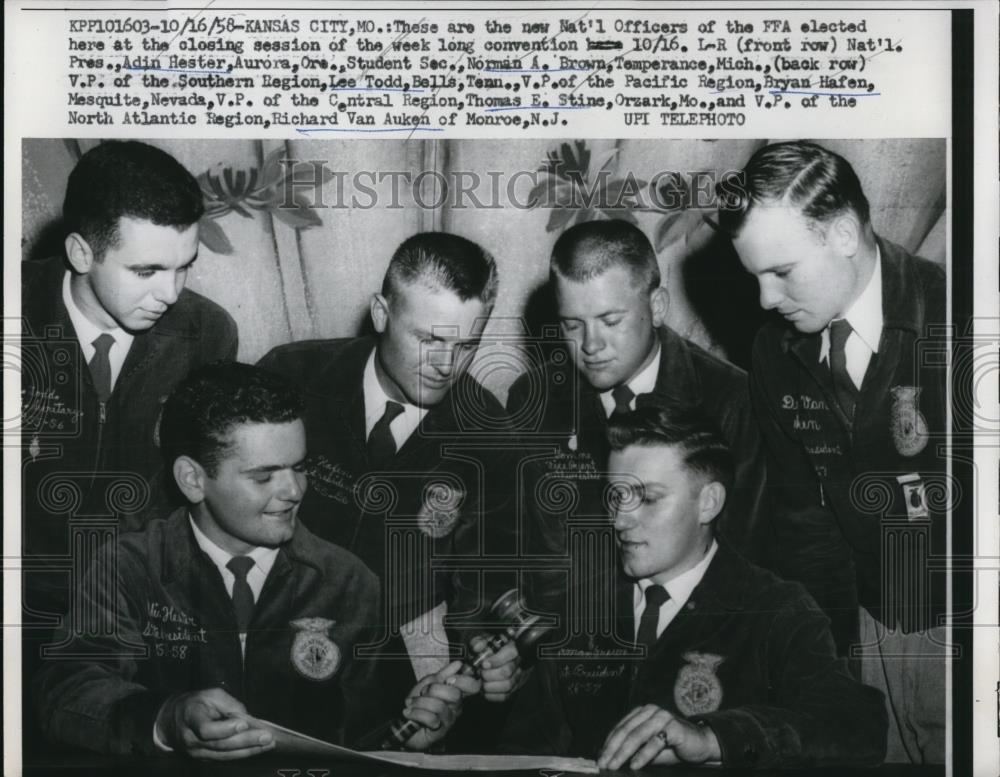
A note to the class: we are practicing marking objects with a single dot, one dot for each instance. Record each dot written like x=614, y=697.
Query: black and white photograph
x=625, y=451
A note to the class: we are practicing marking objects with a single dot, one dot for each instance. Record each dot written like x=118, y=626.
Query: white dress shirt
x=404, y=424
x=679, y=589
x=87, y=332
x=263, y=561
x=865, y=318
x=642, y=383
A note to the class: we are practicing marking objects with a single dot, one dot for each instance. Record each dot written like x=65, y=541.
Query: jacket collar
x=44, y=307
x=902, y=299
x=723, y=587
x=340, y=383
x=902, y=303
x=347, y=381
x=181, y=554
x=342, y=378
x=677, y=378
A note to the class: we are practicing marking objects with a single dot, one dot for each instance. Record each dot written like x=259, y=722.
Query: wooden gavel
x=521, y=627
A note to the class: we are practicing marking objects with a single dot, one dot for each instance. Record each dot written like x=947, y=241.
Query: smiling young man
x=401, y=471
x=113, y=329
x=709, y=659
x=850, y=403
x=230, y=610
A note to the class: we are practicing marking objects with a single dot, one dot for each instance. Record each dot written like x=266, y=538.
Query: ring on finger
x=662, y=736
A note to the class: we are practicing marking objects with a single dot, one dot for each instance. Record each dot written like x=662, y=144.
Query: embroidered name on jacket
x=330, y=479
x=170, y=624
x=809, y=419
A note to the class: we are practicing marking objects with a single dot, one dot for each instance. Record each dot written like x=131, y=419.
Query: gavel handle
x=399, y=731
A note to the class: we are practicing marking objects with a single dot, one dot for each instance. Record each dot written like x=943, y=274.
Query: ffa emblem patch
x=572, y=444
x=907, y=423
x=314, y=655
x=440, y=511
x=697, y=689
x=34, y=448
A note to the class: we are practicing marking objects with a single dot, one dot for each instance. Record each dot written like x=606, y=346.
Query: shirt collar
x=86, y=330
x=263, y=557
x=375, y=399
x=681, y=587
x=865, y=315
x=644, y=382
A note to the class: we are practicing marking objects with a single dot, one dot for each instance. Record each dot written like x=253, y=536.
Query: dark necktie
x=100, y=366
x=656, y=596
x=623, y=397
x=381, y=445
x=843, y=386
x=242, y=594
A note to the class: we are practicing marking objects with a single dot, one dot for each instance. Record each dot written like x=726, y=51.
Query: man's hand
x=501, y=673
x=650, y=734
x=210, y=724
x=436, y=702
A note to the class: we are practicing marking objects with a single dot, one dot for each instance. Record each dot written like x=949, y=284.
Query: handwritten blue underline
x=306, y=131
x=373, y=89
x=827, y=94
x=792, y=91
x=541, y=108
x=181, y=70
x=536, y=70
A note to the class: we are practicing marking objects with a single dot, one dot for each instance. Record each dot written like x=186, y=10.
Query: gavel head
x=526, y=639
x=510, y=608
x=524, y=627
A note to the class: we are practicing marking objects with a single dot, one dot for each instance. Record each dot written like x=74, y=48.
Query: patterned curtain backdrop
x=298, y=262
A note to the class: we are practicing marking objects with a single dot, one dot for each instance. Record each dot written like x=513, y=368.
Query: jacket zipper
x=102, y=417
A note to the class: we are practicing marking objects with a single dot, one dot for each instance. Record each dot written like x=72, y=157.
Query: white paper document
x=294, y=743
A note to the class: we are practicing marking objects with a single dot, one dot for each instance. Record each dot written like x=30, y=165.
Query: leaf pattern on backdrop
x=577, y=188
x=267, y=189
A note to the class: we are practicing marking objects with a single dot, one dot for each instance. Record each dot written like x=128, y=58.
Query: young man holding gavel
x=230, y=610
x=709, y=659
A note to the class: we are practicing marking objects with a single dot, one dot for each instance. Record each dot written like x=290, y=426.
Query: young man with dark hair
x=849, y=408
x=406, y=463
x=115, y=330
x=612, y=311
x=109, y=329
x=229, y=610
x=709, y=659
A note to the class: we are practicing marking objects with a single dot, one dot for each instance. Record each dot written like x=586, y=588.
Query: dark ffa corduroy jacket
x=749, y=655
x=841, y=520
x=79, y=459
x=436, y=522
x=560, y=408
x=175, y=631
